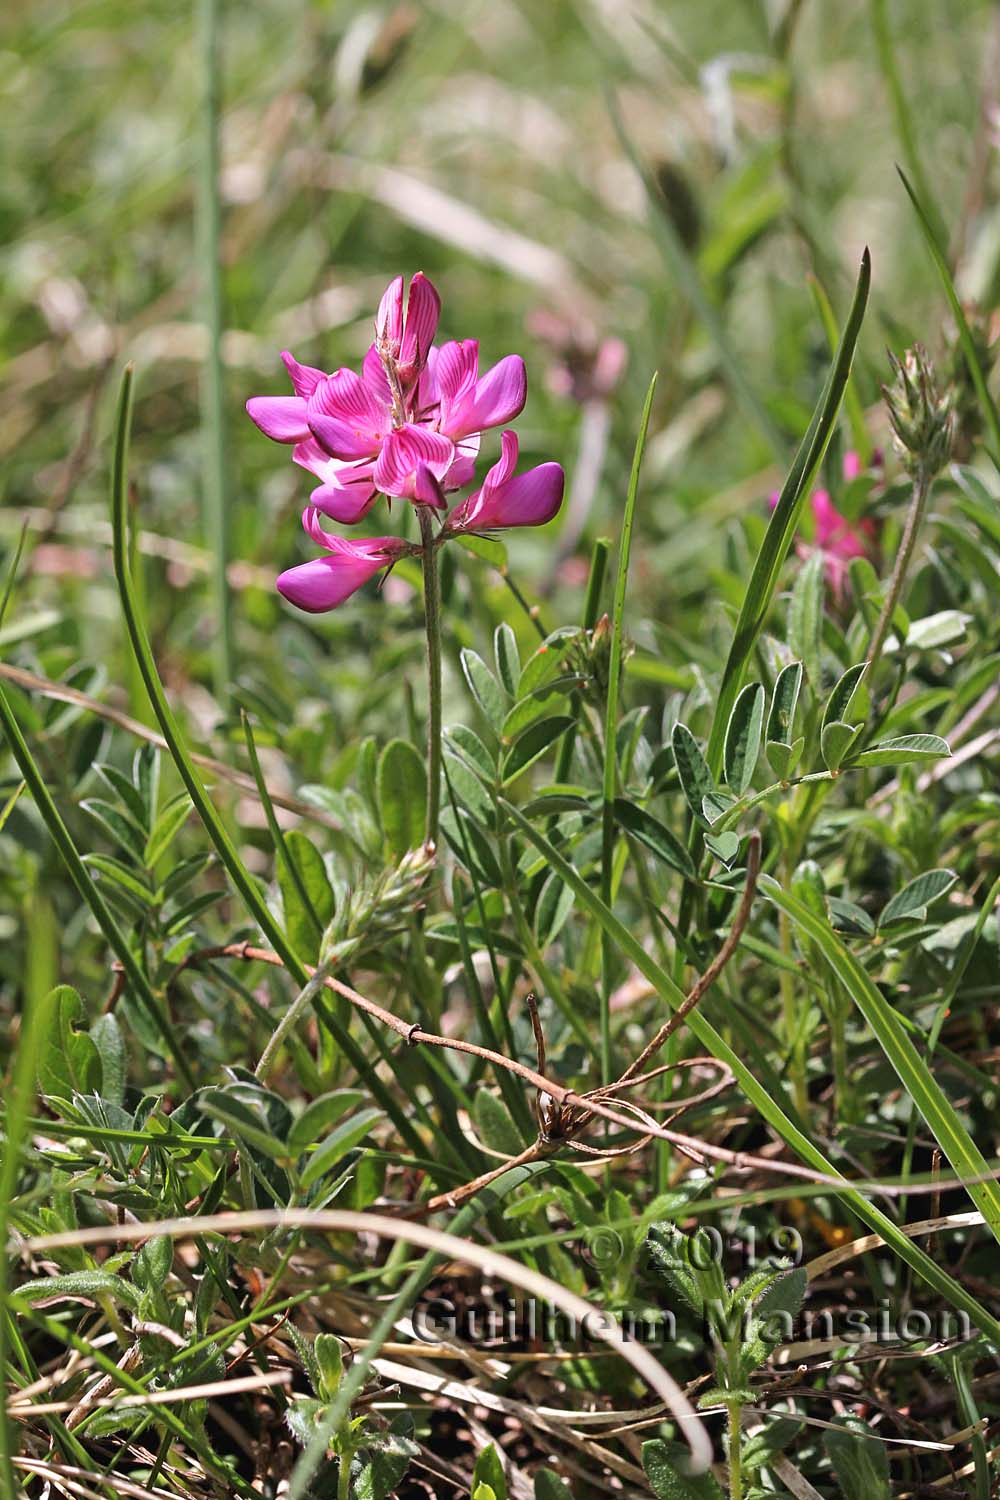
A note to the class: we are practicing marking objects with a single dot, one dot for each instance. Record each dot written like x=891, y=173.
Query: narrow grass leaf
x=785, y=518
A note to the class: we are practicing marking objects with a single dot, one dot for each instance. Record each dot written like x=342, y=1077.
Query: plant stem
x=432, y=625
x=914, y=520
x=344, y=1477
x=735, y=1454
x=209, y=234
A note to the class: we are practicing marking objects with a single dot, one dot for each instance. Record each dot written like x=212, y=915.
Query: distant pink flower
x=509, y=499
x=324, y=582
x=837, y=538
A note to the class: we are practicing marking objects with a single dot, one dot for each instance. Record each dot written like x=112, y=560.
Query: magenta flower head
x=324, y=582
x=838, y=539
x=409, y=426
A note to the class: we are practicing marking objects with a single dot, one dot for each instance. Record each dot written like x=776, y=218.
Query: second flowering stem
x=432, y=625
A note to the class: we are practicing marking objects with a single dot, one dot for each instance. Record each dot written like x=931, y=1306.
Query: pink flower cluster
x=836, y=538
x=409, y=427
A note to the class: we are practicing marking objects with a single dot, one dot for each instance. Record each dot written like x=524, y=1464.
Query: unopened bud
x=921, y=417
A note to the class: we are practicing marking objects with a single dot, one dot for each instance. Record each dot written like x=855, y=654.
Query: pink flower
x=408, y=426
x=509, y=499
x=412, y=403
x=324, y=582
x=837, y=538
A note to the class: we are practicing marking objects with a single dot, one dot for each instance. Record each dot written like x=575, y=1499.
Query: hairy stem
x=432, y=622
x=914, y=520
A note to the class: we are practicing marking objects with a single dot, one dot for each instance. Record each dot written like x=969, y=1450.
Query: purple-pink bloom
x=838, y=539
x=412, y=402
x=324, y=582
x=509, y=499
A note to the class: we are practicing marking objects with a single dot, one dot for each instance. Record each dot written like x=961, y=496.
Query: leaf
x=166, y=827
x=494, y=1125
x=489, y=548
x=838, y=705
x=532, y=745
x=835, y=741
x=402, y=795
x=338, y=1143
x=860, y=1461
x=696, y=779
x=107, y=1037
x=508, y=659
x=555, y=902
x=121, y=875
x=91, y=1285
x=549, y=1487
x=488, y=693
x=69, y=1063
x=742, y=743
x=784, y=700
x=784, y=758
x=151, y=1266
x=906, y=749
x=725, y=846
x=805, y=617
x=318, y=1116
x=655, y=836
x=664, y=1464
x=934, y=631
x=489, y=1472
x=121, y=828
x=784, y=1295
x=308, y=902
x=911, y=903
x=470, y=748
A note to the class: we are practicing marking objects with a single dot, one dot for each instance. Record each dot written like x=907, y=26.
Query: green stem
x=344, y=1477
x=918, y=506
x=735, y=1454
x=432, y=624
x=215, y=505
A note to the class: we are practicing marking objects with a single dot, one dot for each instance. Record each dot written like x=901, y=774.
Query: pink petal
x=497, y=398
x=346, y=503
x=463, y=470
x=455, y=371
x=304, y=378
x=345, y=417
x=404, y=448
x=427, y=489
x=374, y=376
x=529, y=499
x=324, y=582
x=423, y=308
x=389, y=318
x=852, y=465
x=282, y=418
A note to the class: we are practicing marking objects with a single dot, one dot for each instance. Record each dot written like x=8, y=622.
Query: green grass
x=228, y=986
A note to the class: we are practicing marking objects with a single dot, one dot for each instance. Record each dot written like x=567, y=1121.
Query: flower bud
x=921, y=417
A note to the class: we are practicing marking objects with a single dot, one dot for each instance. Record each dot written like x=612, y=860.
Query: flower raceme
x=837, y=539
x=409, y=427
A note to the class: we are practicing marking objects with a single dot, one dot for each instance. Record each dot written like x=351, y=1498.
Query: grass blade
x=785, y=518
x=903, y=118
x=611, y=713
x=916, y=1078
x=990, y=414
x=755, y=1092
